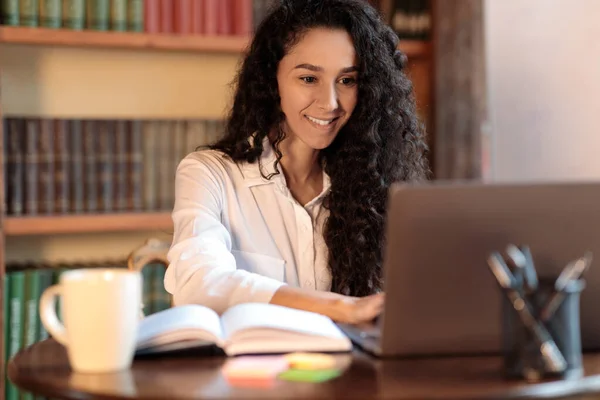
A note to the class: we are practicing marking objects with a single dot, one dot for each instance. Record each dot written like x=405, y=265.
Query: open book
x=249, y=328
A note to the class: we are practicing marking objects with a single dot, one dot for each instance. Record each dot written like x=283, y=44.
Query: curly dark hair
x=382, y=142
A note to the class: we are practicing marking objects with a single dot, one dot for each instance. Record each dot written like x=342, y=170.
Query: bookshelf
x=144, y=41
x=50, y=225
x=92, y=65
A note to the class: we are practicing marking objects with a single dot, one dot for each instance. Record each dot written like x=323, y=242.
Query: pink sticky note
x=254, y=367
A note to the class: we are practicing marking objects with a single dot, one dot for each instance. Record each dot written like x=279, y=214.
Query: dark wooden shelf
x=44, y=225
x=145, y=41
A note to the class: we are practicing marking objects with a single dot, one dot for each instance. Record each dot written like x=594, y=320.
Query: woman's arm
x=352, y=310
x=202, y=269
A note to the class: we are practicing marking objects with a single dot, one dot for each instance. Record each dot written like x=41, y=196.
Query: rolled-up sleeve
x=202, y=269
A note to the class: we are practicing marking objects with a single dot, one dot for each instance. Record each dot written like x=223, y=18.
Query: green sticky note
x=301, y=375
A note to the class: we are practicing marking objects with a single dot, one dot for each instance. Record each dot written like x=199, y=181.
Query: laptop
x=441, y=298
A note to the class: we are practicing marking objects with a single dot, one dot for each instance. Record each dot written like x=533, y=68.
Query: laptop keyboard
x=370, y=331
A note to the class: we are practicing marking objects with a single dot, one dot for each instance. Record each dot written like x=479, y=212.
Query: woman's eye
x=309, y=79
x=348, y=81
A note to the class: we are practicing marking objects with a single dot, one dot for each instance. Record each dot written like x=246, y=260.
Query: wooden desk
x=43, y=369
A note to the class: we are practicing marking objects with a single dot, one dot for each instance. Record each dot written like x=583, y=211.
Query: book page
x=181, y=323
x=268, y=316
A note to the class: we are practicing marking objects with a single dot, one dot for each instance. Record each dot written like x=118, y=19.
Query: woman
x=289, y=206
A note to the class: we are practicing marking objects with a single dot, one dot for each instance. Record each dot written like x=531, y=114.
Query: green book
x=29, y=11
x=161, y=298
x=118, y=15
x=97, y=17
x=10, y=12
x=6, y=331
x=30, y=321
x=32, y=299
x=147, y=287
x=46, y=277
x=73, y=14
x=135, y=15
x=51, y=13
x=15, y=323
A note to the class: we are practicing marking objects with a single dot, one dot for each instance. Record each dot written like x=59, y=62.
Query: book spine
x=180, y=136
x=149, y=164
x=32, y=299
x=31, y=166
x=211, y=16
x=135, y=16
x=152, y=16
x=14, y=165
x=10, y=12
x=104, y=161
x=29, y=11
x=224, y=12
x=166, y=16
x=136, y=165
x=45, y=273
x=98, y=12
x=77, y=166
x=50, y=13
x=178, y=144
x=161, y=298
x=15, y=322
x=162, y=154
x=90, y=149
x=46, y=167
x=61, y=167
x=182, y=16
x=118, y=15
x=120, y=163
x=73, y=14
x=197, y=17
x=242, y=18
x=6, y=327
x=147, y=287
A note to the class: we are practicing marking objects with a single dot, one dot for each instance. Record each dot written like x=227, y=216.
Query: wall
x=543, y=63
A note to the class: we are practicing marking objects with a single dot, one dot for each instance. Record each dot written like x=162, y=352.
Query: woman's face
x=318, y=86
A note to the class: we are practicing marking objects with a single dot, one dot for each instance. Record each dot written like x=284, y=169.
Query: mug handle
x=48, y=314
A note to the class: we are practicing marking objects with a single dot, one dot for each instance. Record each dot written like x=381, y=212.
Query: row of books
x=201, y=17
x=74, y=166
x=24, y=284
x=411, y=19
x=185, y=17
x=100, y=15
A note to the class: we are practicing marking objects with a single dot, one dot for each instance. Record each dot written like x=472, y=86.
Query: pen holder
x=522, y=356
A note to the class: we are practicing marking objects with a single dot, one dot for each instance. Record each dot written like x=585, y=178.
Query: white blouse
x=238, y=236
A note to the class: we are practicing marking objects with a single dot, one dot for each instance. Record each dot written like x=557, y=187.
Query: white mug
x=99, y=310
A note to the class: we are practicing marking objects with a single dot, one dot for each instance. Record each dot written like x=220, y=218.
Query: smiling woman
x=289, y=206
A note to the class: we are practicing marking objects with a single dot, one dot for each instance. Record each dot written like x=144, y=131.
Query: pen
x=516, y=256
x=531, y=279
x=517, y=259
x=553, y=358
x=571, y=272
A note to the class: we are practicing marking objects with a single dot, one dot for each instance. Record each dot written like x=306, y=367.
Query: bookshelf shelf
x=145, y=41
x=44, y=225
x=122, y=40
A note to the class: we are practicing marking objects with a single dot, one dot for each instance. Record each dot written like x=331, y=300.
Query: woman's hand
x=358, y=310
